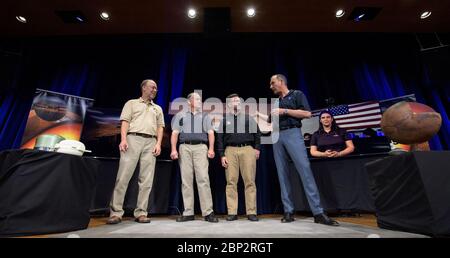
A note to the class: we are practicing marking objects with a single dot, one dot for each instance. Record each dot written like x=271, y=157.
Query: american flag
x=355, y=117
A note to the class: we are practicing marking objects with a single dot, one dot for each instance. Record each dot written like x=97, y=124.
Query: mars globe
x=410, y=122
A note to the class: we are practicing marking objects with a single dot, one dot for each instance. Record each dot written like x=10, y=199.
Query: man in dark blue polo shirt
x=292, y=108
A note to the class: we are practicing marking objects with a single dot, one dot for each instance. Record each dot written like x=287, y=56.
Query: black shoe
x=252, y=217
x=232, y=217
x=287, y=217
x=211, y=218
x=324, y=219
x=185, y=218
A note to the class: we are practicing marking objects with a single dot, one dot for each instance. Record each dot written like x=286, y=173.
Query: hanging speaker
x=217, y=20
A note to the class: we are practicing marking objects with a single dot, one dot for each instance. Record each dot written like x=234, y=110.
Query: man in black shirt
x=239, y=146
x=292, y=108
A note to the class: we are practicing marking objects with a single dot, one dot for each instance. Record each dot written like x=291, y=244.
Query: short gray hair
x=192, y=94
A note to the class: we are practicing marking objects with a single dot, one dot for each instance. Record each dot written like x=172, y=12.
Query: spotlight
x=21, y=19
x=192, y=13
x=425, y=15
x=251, y=12
x=340, y=13
x=104, y=16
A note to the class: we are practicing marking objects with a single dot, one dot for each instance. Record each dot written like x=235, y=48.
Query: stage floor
x=267, y=227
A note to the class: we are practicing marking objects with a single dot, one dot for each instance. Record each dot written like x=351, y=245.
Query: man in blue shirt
x=292, y=108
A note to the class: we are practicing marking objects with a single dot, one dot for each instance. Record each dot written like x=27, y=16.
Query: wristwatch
x=285, y=111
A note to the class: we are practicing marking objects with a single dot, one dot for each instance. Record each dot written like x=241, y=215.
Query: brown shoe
x=142, y=219
x=114, y=220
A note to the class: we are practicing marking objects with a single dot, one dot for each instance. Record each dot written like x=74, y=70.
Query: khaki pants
x=243, y=159
x=193, y=159
x=139, y=149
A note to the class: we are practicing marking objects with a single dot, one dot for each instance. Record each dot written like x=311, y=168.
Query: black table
x=159, y=196
x=342, y=182
x=412, y=192
x=44, y=192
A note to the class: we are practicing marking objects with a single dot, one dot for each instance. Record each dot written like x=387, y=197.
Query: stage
x=33, y=182
x=268, y=227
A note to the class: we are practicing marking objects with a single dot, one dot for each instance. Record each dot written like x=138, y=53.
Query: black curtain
x=350, y=67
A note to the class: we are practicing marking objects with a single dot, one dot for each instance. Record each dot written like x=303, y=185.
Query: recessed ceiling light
x=104, y=16
x=72, y=16
x=340, y=13
x=425, y=15
x=251, y=12
x=363, y=13
x=192, y=13
x=21, y=19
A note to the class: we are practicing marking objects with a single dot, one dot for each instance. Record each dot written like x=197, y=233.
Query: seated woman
x=330, y=141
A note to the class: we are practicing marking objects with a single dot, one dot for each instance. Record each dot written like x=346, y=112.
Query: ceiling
x=169, y=16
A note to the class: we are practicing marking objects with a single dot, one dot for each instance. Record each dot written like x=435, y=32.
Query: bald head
x=278, y=84
x=281, y=78
x=147, y=81
x=149, y=89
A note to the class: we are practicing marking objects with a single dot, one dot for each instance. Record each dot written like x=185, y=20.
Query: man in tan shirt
x=141, y=136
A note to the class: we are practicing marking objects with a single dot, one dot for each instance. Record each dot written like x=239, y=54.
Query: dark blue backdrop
x=350, y=67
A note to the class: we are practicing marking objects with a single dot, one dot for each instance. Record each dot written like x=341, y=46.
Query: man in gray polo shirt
x=196, y=135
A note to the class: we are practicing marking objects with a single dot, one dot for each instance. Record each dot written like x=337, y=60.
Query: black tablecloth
x=342, y=182
x=412, y=192
x=159, y=197
x=44, y=192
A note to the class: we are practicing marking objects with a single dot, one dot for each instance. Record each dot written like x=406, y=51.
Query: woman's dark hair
x=334, y=126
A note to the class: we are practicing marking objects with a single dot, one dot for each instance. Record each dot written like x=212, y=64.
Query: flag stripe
x=374, y=111
x=363, y=110
x=356, y=116
x=361, y=118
